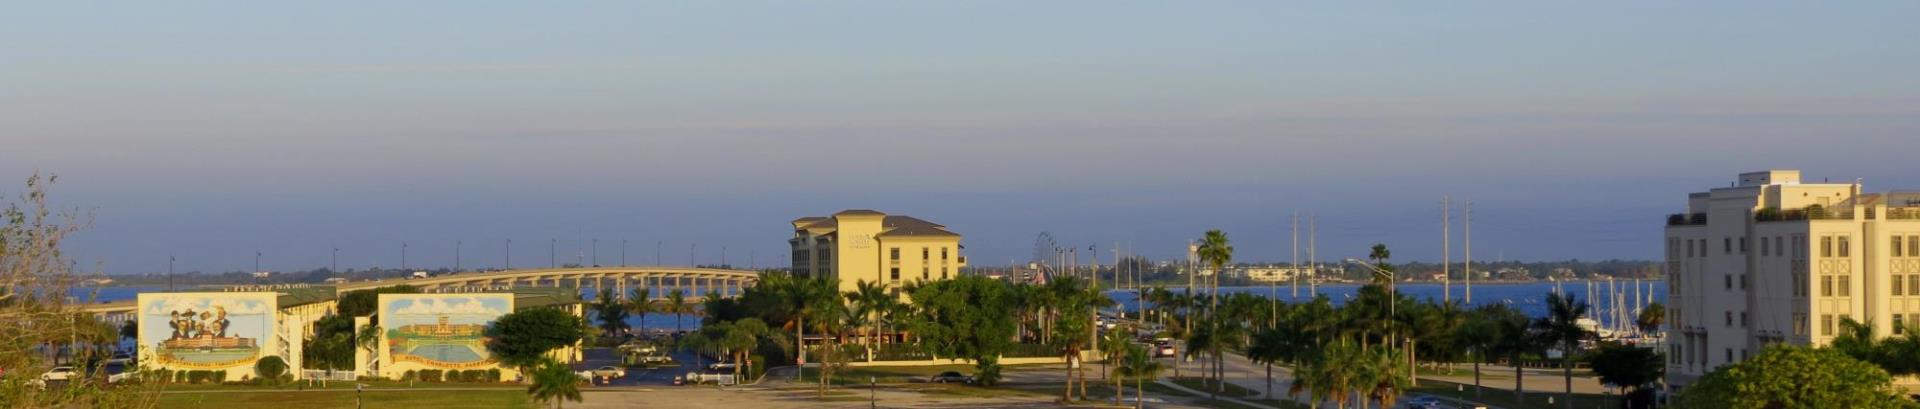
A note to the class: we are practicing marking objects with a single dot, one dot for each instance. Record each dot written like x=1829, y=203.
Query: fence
x=327, y=375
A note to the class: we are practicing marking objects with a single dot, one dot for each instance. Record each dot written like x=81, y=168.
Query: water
x=1529, y=298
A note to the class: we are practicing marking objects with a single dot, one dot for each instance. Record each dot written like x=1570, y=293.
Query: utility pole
x=170, y=260
x=656, y=252
x=1313, y=260
x=1446, y=248
x=256, y=261
x=691, y=249
x=336, y=260
x=623, y=252
x=1469, y=265
x=456, y=256
x=596, y=252
x=553, y=253
x=1295, y=263
x=403, y=255
x=509, y=254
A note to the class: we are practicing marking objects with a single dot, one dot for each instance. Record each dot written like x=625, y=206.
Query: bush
x=180, y=377
x=270, y=368
x=409, y=376
x=431, y=375
x=198, y=376
x=219, y=376
x=163, y=375
x=493, y=375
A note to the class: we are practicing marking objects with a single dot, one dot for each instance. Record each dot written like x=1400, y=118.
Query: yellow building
x=1771, y=259
x=865, y=245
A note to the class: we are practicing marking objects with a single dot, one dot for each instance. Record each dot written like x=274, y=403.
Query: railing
x=328, y=375
x=1683, y=219
x=1814, y=212
x=1903, y=213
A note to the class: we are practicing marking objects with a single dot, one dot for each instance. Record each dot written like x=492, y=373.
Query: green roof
x=535, y=297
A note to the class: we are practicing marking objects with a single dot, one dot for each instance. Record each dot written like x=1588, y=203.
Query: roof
x=859, y=212
x=298, y=296
x=921, y=231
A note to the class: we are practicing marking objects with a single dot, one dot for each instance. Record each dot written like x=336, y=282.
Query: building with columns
x=1772, y=259
x=865, y=245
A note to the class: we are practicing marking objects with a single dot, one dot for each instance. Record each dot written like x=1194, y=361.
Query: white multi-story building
x=1771, y=259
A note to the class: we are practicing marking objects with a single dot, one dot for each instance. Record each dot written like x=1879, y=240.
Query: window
x=894, y=253
x=1727, y=247
x=1729, y=281
x=924, y=275
x=1826, y=286
x=1799, y=324
x=1899, y=324
x=1763, y=247
x=1897, y=287
x=1826, y=246
x=1843, y=247
x=1689, y=248
x=923, y=254
x=1743, y=281
x=1729, y=318
x=1913, y=246
x=1743, y=319
x=1826, y=324
x=1846, y=289
x=1729, y=354
x=1779, y=246
x=895, y=273
x=943, y=253
x=1913, y=284
x=1897, y=248
x=1743, y=245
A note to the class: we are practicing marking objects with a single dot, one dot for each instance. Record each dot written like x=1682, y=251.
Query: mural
x=439, y=331
x=205, y=330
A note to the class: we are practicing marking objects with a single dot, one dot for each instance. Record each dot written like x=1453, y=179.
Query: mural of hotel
x=207, y=331
x=437, y=331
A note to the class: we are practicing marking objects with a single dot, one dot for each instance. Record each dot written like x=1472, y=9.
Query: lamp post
x=456, y=255
x=509, y=254
x=1393, y=295
x=403, y=255
x=623, y=252
x=596, y=252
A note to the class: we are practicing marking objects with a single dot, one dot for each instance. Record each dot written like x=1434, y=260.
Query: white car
x=609, y=372
x=59, y=373
x=722, y=366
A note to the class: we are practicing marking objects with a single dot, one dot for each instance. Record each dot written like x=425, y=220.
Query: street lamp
x=1393, y=295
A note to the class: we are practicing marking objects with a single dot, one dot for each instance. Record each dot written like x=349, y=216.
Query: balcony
x=1814, y=212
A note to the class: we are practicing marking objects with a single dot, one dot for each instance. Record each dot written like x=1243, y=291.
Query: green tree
x=965, y=318
x=554, y=382
x=1651, y=317
x=1561, y=326
x=1114, y=344
x=1793, y=377
x=1515, y=339
x=612, y=313
x=639, y=304
x=1137, y=364
x=676, y=304
x=270, y=368
x=523, y=338
x=1216, y=251
x=1632, y=369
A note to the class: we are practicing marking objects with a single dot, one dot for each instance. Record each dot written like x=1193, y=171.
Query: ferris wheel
x=1044, y=249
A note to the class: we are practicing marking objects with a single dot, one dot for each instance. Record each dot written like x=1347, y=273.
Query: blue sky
x=214, y=129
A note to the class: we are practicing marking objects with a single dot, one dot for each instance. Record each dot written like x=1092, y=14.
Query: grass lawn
x=346, y=385
x=1504, y=397
x=973, y=391
x=505, y=398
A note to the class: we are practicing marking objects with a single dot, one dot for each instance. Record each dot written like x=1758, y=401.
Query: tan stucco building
x=1772, y=259
x=865, y=245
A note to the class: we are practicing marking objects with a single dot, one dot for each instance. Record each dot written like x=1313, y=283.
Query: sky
x=211, y=130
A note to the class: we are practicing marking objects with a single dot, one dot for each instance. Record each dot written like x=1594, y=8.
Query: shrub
x=163, y=375
x=270, y=368
x=493, y=375
x=219, y=376
x=197, y=376
x=180, y=377
x=430, y=375
x=409, y=376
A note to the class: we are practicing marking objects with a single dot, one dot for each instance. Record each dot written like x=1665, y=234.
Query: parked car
x=722, y=366
x=655, y=359
x=609, y=372
x=59, y=373
x=951, y=377
x=1424, y=402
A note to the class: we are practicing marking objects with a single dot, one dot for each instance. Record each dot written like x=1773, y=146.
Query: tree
x=1650, y=318
x=1561, y=326
x=1632, y=369
x=676, y=304
x=1137, y=363
x=1114, y=344
x=1515, y=340
x=1216, y=251
x=1791, y=377
x=965, y=318
x=639, y=304
x=523, y=338
x=612, y=313
x=270, y=368
x=554, y=382
x=870, y=302
x=1482, y=335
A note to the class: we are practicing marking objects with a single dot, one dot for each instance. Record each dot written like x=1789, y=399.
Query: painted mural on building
x=439, y=331
x=206, y=331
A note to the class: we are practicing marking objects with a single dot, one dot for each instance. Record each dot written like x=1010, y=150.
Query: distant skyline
x=211, y=130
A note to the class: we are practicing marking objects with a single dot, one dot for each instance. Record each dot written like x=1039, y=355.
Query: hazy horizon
x=211, y=130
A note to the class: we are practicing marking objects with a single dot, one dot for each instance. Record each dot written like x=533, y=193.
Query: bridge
x=697, y=281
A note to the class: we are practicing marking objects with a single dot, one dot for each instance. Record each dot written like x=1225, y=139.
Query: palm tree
x=1384, y=380
x=677, y=305
x=1516, y=339
x=1270, y=346
x=1650, y=318
x=1138, y=364
x=555, y=382
x=1113, y=347
x=1216, y=252
x=612, y=313
x=870, y=301
x=640, y=303
x=1073, y=318
x=1478, y=337
x=1561, y=326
